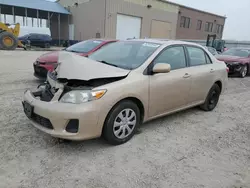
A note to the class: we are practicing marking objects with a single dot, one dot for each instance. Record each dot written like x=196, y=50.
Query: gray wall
x=88, y=18
x=128, y=8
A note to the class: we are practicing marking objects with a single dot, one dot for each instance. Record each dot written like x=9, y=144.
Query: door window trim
x=148, y=70
x=188, y=57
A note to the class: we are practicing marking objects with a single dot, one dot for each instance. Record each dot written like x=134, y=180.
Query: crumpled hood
x=75, y=67
x=228, y=58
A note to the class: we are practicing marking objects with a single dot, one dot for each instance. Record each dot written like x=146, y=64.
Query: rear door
x=169, y=91
x=202, y=73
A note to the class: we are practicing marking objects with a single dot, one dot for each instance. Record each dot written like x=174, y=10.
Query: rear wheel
x=212, y=98
x=8, y=41
x=121, y=123
x=243, y=71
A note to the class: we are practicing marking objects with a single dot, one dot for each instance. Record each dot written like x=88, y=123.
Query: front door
x=169, y=91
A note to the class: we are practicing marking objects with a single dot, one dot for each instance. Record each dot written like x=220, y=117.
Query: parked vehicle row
x=237, y=60
x=114, y=90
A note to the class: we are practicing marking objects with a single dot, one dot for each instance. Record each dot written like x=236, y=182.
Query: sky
x=237, y=12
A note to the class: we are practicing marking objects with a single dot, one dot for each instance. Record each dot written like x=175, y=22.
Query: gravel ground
x=190, y=149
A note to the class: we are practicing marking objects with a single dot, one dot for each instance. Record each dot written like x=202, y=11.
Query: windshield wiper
x=105, y=62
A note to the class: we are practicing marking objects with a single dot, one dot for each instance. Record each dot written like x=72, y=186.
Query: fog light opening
x=72, y=126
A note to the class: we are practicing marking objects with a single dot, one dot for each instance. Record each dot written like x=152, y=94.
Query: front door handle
x=186, y=75
x=211, y=70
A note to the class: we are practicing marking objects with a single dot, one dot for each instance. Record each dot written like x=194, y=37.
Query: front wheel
x=243, y=71
x=121, y=123
x=212, y=98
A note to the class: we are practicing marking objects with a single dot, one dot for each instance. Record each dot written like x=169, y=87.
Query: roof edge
x=191, y=8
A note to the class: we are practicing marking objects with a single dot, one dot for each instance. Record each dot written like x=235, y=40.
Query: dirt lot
x=191, y=149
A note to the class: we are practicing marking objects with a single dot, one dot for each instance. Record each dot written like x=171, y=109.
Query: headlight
x=81, y=96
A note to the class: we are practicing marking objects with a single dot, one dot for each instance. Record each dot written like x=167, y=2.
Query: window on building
x=199, y=24
x=209, y=27
x=185, y=22
x=219, y=29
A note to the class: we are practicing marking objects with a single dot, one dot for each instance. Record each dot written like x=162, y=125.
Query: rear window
x=237, y=52
x=84, y=46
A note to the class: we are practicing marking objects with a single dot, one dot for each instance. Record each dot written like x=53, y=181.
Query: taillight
x=227, y=70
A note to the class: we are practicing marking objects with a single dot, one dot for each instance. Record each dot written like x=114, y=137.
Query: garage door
x=128, y=27
x=160, y=29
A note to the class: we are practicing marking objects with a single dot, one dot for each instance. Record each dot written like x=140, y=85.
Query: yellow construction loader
x=9, y=37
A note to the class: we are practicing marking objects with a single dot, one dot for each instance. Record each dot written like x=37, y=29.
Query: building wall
x=161, y=11
x=88, y=17
x=195, y=15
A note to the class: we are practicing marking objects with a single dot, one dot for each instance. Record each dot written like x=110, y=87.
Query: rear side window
x=197, y=56
x=175, y=56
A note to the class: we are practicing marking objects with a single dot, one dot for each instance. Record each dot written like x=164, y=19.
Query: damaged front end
x=71, y=91
x=234, y=67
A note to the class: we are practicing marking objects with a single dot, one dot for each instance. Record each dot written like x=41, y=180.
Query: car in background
x=47, y=62
x=36, y=39
x=211, y=50
x=237, y=60
x=119, y=87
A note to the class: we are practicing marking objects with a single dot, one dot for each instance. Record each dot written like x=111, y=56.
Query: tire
x=3, y=45
x=121, y=132
x=212, y=98
x=243, y=71
x=47, y=45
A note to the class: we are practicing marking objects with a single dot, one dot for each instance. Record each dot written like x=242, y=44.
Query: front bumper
x=53, y=117
x=40, y=72
x=234, y=68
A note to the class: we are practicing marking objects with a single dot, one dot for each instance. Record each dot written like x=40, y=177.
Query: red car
x=237, y=60
x=48, y=61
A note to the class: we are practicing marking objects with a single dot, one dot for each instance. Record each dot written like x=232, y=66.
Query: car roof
x=166, y=41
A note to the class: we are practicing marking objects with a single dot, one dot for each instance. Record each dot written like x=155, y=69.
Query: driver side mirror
x=161, y=68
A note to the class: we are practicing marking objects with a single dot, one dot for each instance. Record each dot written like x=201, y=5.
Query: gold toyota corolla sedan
x=122, y=86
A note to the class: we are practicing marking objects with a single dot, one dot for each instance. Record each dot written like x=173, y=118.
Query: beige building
x=122, y=19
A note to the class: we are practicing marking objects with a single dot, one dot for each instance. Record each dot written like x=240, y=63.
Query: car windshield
x=125, y=54
x=237, y=52
x=84, y=46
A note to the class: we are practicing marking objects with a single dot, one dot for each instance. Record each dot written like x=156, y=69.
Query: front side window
x=197, y=56
x=84, y=46
x=125, y=54
x=175, y=56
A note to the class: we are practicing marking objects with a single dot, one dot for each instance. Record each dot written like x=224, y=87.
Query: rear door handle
x=186, y=75
x=211, y=70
